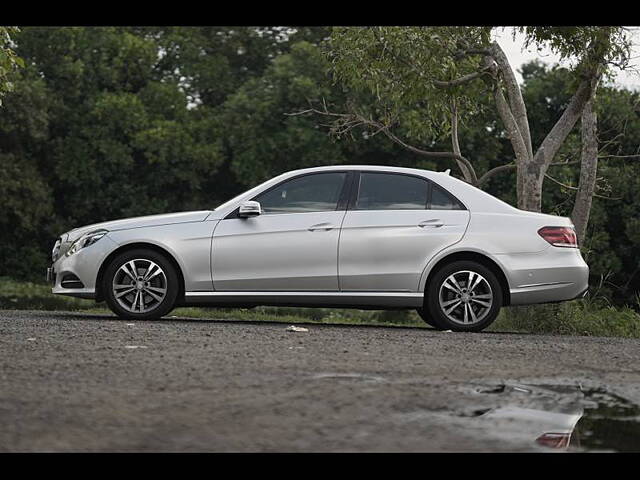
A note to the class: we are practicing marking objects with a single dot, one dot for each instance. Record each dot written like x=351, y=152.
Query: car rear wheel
x=463, y=296
x=140, y=284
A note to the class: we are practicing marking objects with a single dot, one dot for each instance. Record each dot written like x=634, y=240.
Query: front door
x=291, y=246
x=398, y=223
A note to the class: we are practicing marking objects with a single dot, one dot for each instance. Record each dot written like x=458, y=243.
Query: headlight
x=86, y=240
x=56, y=250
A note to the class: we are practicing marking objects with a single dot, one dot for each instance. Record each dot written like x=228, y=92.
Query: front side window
x=385, y=191
x=310, y=193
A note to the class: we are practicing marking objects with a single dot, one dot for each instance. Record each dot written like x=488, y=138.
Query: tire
x=425, y=316
x=451, y=305
x=140, y=298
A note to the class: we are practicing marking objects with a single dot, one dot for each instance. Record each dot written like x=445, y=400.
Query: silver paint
x=375, y=258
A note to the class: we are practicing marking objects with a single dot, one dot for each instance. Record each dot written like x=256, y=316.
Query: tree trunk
x=531, y=167
x=530, y=196
x=588, y=171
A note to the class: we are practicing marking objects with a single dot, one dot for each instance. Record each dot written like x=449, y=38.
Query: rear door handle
x=321, y=226
x=435, y=222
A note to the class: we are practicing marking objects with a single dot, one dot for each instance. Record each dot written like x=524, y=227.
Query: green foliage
x=263, y=137
x=400, y=68
x=109, y=122
x=9, y=61
x=580, y=317
x=588, y=46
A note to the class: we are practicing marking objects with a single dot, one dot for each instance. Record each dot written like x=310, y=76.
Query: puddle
x=560, y=417
x=610, y=422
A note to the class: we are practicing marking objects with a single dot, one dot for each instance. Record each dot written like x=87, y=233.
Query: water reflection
x=562, y=417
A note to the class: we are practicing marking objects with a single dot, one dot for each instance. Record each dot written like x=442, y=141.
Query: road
x=78, y=382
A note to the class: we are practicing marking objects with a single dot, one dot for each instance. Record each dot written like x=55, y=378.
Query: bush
x=580, y=317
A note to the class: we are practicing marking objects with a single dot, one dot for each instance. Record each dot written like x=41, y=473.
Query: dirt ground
x=78, y=382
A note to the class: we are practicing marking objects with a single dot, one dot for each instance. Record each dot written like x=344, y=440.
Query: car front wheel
x=463, y=296
x=140, y=284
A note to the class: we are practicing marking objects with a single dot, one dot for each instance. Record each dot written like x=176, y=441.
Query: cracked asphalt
x=72, y=382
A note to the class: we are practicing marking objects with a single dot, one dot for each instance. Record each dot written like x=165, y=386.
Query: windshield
x=248, y=193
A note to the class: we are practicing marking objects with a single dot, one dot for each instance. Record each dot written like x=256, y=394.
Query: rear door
x=394, y=225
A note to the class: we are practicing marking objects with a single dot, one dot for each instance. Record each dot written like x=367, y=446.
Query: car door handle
x=321, y=226
x=435, y=222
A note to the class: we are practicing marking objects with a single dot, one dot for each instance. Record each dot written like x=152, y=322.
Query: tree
x=426, y=80
x=9, y=61
x=588, y=171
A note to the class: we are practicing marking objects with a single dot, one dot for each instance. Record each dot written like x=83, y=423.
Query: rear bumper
x=558, y=292
x=554, y=275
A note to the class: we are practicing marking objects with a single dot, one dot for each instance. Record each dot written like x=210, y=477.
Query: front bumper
x=82, y=266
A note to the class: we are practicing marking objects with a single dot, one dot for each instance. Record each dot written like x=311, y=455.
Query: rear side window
x=309, y=193
x=443, y=200
x=384, y=191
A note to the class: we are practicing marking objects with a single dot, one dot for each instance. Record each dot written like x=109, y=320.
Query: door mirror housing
x=249, y=208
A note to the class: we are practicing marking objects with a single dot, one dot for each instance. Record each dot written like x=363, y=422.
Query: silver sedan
x=341, y=236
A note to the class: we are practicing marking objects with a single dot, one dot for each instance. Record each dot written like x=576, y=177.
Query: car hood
x=139, y=222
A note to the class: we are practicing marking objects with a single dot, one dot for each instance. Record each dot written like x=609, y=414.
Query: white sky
x=518, y=55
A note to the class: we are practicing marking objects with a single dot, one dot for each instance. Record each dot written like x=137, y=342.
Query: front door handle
x=435, y=222
x=321, y=226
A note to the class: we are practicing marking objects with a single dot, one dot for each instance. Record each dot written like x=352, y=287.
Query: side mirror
x=249, y=209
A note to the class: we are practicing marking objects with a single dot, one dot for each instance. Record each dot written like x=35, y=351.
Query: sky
x=517, y=55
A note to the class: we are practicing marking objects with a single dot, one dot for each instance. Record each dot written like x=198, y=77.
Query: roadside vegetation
x=591, y=316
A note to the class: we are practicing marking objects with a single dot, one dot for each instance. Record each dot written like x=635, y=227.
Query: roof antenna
x=447, y=171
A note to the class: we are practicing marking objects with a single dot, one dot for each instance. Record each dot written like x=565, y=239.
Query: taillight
x=554, y=440
x=559, y=236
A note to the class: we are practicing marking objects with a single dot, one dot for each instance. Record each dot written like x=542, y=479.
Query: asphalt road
x=77, y=382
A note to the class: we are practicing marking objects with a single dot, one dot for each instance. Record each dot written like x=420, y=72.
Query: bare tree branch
x=483, y=179
x=516, y=102
x=459, y=81
x=348, y=121
x=619, y=156
x=571, y=187
x=554, y=139
x=455, y=144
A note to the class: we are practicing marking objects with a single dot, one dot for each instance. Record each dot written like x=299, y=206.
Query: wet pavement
x=75, y=382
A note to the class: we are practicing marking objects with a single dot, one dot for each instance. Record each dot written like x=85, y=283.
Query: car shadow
x=172, y=319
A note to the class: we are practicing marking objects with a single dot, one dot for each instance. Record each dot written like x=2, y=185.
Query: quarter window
x=443, y=200
x=383, y=191
x=309, y=193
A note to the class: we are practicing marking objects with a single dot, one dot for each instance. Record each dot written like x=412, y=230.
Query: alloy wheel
x=465, y=297
x=139, y=285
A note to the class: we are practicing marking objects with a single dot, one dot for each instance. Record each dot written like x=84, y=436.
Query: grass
x=593, y=317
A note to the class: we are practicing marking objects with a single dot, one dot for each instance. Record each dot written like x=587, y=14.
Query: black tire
x=436, y=312
x=425, y=316
x=158, y=310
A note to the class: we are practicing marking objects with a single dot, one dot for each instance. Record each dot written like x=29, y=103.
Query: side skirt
x=364, y=300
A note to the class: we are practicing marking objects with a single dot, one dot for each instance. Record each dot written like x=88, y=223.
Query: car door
x=394, y=225
x=292, y=245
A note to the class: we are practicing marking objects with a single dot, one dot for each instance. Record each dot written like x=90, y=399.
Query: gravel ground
x=78, y=382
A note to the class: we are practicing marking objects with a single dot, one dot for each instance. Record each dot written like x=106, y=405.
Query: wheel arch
x=478, y=257
x=133, y=246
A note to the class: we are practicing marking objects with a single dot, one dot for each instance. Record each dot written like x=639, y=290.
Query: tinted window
x=443, y=200
x=383, y=191
x=309, y=193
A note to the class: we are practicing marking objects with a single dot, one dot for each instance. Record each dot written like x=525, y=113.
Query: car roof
x=387, y=168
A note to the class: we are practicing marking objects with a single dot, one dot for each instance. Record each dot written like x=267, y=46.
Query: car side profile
x=340, y=236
